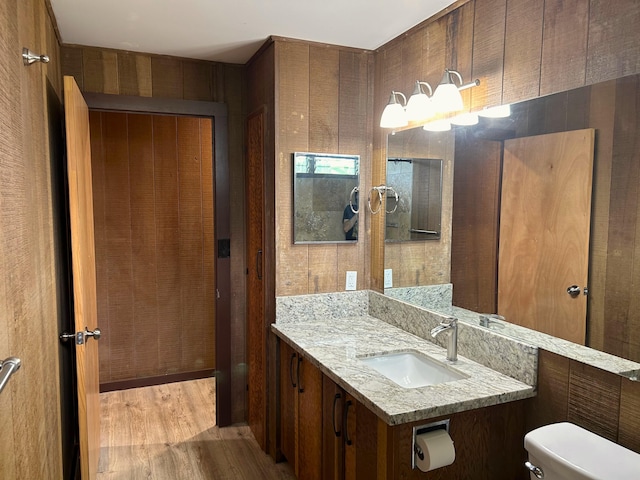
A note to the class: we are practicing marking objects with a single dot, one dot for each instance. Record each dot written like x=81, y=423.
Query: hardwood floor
x=168, y=432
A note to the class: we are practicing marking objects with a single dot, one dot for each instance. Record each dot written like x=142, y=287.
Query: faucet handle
x=486, y=318
x=450, y=322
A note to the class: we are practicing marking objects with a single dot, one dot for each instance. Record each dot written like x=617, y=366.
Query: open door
x=84, y=276
x=544, y=232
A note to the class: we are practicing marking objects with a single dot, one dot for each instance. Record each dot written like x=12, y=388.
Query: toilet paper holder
x=429, y=427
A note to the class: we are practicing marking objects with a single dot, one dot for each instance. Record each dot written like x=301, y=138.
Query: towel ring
x=351, y=196
x=395, y=194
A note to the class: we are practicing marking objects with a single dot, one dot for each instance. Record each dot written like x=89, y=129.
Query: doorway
x=153, y=216
x=216, y=113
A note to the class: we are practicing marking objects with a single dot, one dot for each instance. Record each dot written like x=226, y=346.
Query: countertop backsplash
x=438, y=298
x=506, y=355
x=319, y=307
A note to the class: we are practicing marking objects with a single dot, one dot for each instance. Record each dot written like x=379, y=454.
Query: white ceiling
x=231, y=31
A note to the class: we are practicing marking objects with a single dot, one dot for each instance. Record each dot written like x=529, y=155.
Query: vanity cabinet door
x=288, y=403
x=350, y=433
x=309, y=421
x=332, y=430
x=300, y=414
x=350, y=437
x=369, y=459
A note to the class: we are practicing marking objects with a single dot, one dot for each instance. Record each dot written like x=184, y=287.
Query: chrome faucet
x=449, y=325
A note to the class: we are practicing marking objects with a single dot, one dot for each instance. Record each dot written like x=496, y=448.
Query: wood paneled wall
x=518, y=49
x=602, y=402
x=324, y=96
x=475, y=222
x=30, y=433
x=153, y=212
x=127, y=73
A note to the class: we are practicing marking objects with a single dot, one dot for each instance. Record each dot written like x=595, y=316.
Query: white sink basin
x=412, y=369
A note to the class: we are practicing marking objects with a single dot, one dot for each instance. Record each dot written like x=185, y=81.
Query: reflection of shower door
x=544, y=232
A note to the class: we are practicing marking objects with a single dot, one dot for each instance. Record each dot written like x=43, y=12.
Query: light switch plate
x=388, y=278
x=352, y=280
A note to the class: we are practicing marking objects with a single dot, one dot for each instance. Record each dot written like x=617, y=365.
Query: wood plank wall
x=602, y=402
x=30, y=430
x=119, y=72
x=518, y=49
x=153, y=212
x=324, y=105
x=475, y=222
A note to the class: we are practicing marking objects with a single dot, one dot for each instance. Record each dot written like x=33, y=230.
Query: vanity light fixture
x=500, y=111
x=419, y=105
x=447, y=96
x=394, y=114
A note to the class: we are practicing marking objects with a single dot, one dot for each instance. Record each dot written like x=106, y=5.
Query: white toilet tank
x=564, y=451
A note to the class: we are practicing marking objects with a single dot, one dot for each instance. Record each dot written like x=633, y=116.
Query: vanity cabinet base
x=326, y=433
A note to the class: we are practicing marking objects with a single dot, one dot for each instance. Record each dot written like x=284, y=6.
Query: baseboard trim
x=149, y=381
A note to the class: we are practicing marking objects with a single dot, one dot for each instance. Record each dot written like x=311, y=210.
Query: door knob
x=573, y=291
x=81, y=336
x=95, y=334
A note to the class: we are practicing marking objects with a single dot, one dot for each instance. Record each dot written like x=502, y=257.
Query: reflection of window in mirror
x=325, y=197
x=418, y=182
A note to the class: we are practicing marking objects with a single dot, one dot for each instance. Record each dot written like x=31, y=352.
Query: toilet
x=564, y=451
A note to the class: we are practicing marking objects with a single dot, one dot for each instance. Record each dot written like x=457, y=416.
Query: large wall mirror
x=490, y=180
x=325, y=197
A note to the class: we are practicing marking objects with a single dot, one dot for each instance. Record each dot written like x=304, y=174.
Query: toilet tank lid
x=566, y=445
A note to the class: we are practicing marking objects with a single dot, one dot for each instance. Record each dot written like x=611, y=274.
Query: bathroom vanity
x=341, y=418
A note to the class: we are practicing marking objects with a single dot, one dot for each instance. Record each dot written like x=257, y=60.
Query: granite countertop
x=335, y=344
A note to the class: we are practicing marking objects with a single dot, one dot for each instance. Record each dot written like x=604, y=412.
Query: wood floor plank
x=169, y=431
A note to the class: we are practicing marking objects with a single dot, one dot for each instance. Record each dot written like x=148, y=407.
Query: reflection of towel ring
x=395, y=207
x=382, y=192
x=351, y=195
x=379, y=190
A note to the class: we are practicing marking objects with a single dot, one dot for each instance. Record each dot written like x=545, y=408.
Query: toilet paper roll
x=437, y=448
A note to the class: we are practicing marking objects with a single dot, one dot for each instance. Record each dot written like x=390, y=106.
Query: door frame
x=222, y=225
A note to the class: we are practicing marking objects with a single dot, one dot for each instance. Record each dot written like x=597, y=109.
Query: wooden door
x=256, y=318
x=544, y=232
x=84, y=274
